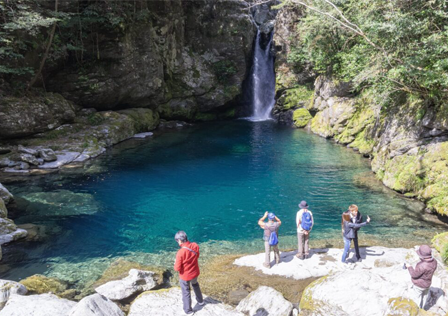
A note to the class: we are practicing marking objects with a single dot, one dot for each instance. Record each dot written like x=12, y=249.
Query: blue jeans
x=347, y=243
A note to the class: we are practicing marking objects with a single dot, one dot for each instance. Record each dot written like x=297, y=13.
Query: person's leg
x=186, y=296
x=419, y=294
x=306, y=240
x=355, y=241
x=300, y=252
x=197, y=290
x=267, y=255
x=346, y=249
x=276, y=254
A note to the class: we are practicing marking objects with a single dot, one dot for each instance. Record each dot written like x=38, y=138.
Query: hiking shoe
x=189, y=313
x=298, y=256
x=266, y=265
x=202, y=303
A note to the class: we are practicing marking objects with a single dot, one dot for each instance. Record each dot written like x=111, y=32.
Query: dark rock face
x=195, y=50
x=21, y=117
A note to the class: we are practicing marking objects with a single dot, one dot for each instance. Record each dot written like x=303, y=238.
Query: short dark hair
x=181, y=235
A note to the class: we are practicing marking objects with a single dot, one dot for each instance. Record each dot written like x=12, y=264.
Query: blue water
x=214, y=181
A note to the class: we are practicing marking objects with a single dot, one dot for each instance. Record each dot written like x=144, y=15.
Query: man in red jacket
x=187, y=266
x=421, y=275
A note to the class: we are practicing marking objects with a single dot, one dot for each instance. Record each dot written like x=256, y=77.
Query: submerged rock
x=8, y=288
x=169, y=303
x=96, y=305
x=40, y=284
x=265, y=301
x=136, y=282
x=37, y=305
x=60, y=203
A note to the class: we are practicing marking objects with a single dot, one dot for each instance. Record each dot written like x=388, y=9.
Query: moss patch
x=220, y=276
x=297, y=97
x=40, y=284
x=301, y=117
x=440, y=242
x=402, y=306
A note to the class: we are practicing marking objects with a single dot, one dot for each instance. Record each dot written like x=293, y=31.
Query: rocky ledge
x=376, y=285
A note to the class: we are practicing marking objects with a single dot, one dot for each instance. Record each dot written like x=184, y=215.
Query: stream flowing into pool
x=212, y=180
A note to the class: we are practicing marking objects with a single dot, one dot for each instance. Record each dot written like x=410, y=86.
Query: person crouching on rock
x=270, y=237
x=349, y=232
x=305, y=222
x=421, y=275
x=187, y=266
x=356, y=218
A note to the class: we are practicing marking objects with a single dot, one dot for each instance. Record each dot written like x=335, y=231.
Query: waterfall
x=263, y=81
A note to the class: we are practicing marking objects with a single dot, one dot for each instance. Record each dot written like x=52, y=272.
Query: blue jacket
x=350, y=229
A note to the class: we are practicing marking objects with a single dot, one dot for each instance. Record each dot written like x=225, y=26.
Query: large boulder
x=22, y=116
x=8, y=288
x=169, y=303
x=265, y=301
x=96, y=305
x=136, y=282
x=37, y=305
x=9, y=231
x=3, y=209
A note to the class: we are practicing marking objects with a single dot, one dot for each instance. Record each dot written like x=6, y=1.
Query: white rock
x=63, y=159
x=96, y=305
x=9, y=231
x=265, y=301
x=8, y=288
x=143, y=135
x=5, y=194
x=358, y=288
x=137, y=281
x=37, y=305
x=169, y=303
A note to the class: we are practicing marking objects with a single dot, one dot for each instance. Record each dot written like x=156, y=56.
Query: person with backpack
x=356, y=218
x=270, y=237
x=187, y=266
x=305, y=222
x=349, y=232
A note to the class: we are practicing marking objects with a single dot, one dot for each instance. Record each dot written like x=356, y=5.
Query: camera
x=404, y=266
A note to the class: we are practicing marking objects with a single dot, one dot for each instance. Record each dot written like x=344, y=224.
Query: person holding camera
x=356, y=218
x=270, y=237
x=349, y=233
x=421, y=275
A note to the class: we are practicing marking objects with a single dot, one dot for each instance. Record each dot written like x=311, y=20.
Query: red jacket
x=187, y=261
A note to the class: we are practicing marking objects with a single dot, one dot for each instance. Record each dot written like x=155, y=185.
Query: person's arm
x=299, y=218
x=417, y=272
x=312, y=221
x=278, y=221
x=261, y=220
x=178, y=263
x=353, y=225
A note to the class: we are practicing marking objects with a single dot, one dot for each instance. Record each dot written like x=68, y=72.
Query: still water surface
x=212, y=180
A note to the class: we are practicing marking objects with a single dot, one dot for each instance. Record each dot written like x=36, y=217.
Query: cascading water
x=263, y=81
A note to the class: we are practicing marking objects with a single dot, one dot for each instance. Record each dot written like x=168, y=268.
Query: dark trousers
x=186, y=296
x=355, y=242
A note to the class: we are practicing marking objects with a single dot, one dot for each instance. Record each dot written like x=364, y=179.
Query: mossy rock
x=40, y=284
x=3, y=209
x=402, y=306
x=144, y=119
x=297, y=97
x=120, y=269
x=440, y=242
x=301, y=117
x=204, y=117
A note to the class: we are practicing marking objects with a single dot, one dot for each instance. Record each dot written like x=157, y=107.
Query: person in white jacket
x=305, y=222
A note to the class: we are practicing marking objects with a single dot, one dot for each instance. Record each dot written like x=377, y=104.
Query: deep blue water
x=214, y=181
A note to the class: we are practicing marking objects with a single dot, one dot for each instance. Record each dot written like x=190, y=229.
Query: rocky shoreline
x=336, y=289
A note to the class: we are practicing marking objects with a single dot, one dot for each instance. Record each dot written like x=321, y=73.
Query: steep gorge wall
x=407, y=142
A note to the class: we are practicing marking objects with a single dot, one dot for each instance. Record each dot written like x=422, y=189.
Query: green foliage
x=224, y=70
x=404, y=50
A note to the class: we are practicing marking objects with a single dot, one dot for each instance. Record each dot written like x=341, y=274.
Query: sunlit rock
x=40, y=284
x=265, y=301
x=37, y=305
x=136, y=282
x=169, y=303
x=8, y=288
x=96, y=305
